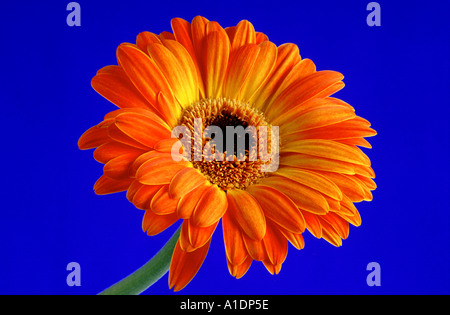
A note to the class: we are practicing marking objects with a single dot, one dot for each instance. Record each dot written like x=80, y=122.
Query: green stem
x=144, y=277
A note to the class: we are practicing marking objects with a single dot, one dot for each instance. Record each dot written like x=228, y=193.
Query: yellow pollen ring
x=230, y=171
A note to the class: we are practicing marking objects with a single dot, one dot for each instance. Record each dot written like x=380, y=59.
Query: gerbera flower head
x=201, y=75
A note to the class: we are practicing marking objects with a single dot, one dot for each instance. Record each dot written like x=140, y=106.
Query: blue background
x=396, y=75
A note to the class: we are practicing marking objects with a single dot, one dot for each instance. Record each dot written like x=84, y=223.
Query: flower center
x=226, y=141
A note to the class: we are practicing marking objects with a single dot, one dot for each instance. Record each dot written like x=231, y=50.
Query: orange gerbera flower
x=230, y=77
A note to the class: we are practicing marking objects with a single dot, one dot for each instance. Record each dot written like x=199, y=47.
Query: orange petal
x=334, y=204
x=275, y=244
x=296, y=239
x=239, y=68
x=162, y=203
x=338, y=134
x=154, y=224
x=93, y=137
x=303, y=90
x=147, y=78
x=354, y=220
x=367, y=193
x=234, y=244
x=143, y=129
x=182, y=32
x=363, y=170
x=211, y=207
x=287, y=57
x=261, y=37
x=328, y=149
x=247, y=212
x=367, y=181
x=348, y=207
x=352, y=128
x=273, y=269
x=199, y=236
x=188, y=202
x=331, y=89
x=294, y=112
x=175, y=74
x=231, y=30
x=159, y=170
x=135, y=110
x=105, y=185
x=349, y=186
x=116, y=87
x=239, y=271
x=313, y=180
x=132, y=190
x=313, y=224
x=165, y=145
x=330, y=234
x=185, y=181
x=142, y=71
x=144, y=195
x=149, y=155
x=119, y=167
x=217, y=48
x=360, y=142
x=164, y=35
x=339, y=224
x=198, y=34
x=299, y=71
x=188, y=66
x=166, y=101
x=144, y=39
x=244, y=34
x=316, y=163
x=110, y=150
x=184, y=242
x=185, y=265
x=255, y=248
x=304, y=197
x=278, y=207
x=318, y=117
x=260, y=71
x=118, y=135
